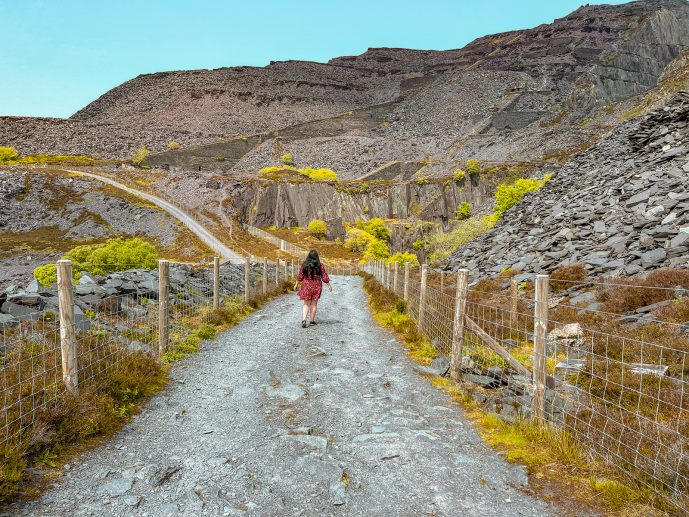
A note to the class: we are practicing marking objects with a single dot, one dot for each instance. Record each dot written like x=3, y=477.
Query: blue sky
x=56, y=56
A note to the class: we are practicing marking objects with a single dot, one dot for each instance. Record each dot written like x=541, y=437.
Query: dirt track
x=273, y=419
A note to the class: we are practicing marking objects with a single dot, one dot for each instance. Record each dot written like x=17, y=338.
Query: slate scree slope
x=511, y=96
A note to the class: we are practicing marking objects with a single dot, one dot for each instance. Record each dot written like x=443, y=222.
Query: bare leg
x=314, y=307
x=305, y=310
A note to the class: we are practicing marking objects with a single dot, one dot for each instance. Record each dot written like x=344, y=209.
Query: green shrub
x=140, y=155
x=459, y=175
x=319, y=174
x=318, y=228
x=418, y=245
x=472, y=167
x=507, y=195
x=115, y=255
x=287, y=159
x=376, y=250
x=8, y=154
x=219, y=158
x=46, y=275
x=357, y=240
x=172, y=145
x=402, y=258
x=58, y=159
x=376, y=227
x=309, y=172
x=440, y=245
x=463, y=211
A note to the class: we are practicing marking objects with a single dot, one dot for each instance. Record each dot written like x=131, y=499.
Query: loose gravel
x=273, y=419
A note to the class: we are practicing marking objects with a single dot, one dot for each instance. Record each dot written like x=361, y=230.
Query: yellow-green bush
x=375, y=227
x=59, y=159
x=287, y=159
x=402, y=258
x=317, y=228
x=140, y=155
x=376, y=250
x=472, y=167
x=8, y=154
x=115, y=255
x=459, y=175
x=440, y=245
x=507, y=195
x=357, y=240
x=463, y=211
x=46, y=275
x=319, y=174
x=172, y=145
x=309, y=172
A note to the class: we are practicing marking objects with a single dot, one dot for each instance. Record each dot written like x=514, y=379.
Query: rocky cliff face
x=620, y=208
x=510, y=96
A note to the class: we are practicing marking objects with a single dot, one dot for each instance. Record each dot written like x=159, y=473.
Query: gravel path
x=185, y=218
x=273, y=419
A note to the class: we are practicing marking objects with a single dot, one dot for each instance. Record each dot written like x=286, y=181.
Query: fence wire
x=624, y=397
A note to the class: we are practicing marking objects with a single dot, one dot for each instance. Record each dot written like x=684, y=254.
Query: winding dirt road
x=184, y=217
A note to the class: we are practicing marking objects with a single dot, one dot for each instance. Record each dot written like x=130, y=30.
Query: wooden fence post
x=277, y=271
x=442, y=281
x=422, y=295
x=68, y=340
x=285, y=269
x=458, y=325
x=394, y=277
x=388, y=275
x=406, y=281
x=292, y=268
x=539, y=342
x=246, y=279
x=216, y=282
x=265, y=275
x=514, y=301
x=163, y=306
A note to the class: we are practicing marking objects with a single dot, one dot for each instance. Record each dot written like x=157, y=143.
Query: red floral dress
x=311, y=288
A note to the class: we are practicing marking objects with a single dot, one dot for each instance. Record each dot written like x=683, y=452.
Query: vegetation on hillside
x=440, y=245
x=114, y=255
x=370, y=237
x=318, y=228
x=10, y=156
x=285, y=171
x=140, y=155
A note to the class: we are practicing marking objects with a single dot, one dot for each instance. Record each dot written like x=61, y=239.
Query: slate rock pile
x=131, y=294
x=620, y=208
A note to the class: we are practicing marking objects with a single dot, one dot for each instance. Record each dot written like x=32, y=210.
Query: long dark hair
x=312, y=265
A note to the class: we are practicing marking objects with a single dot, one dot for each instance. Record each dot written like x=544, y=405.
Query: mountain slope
x=510, y=96
x=619, y=208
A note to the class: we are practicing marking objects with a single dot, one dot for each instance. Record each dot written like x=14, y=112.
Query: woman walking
x=312, y=275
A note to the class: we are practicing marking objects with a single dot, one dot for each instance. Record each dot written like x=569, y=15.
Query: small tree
x=318, y=228
x=172, y=145
x=377, y=228
x=8, y=154
x=473, y=167
x=140, y=155
x=287, y=159
x=376, y=250
x=463, y=211
x=402, y=258
x=357, y=240
x=459, y=175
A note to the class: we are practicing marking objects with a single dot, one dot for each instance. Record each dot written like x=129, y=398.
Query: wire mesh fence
x=621, y=392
